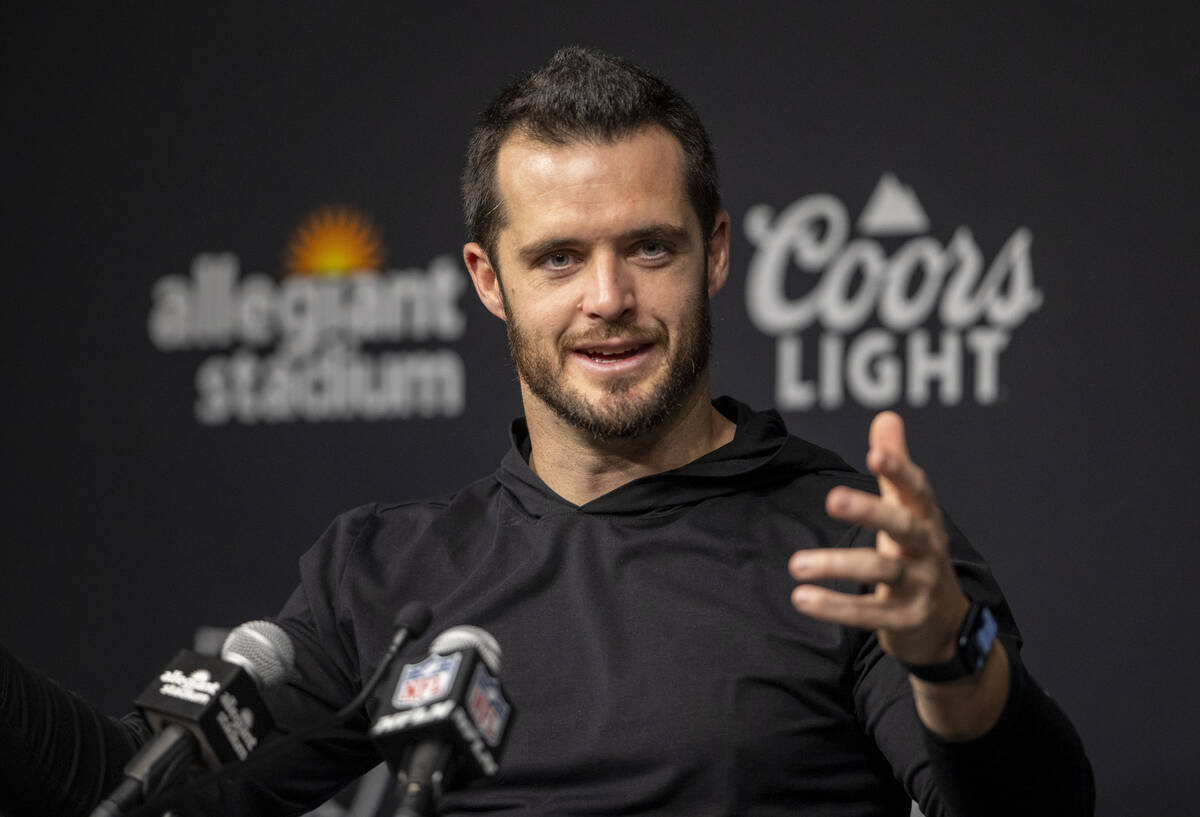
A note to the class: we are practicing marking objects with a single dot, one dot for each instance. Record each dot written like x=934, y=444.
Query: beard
x=624, y=414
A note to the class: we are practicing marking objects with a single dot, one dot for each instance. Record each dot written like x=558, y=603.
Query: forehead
x=588, y=189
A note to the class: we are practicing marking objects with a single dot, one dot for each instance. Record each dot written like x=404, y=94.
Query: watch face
x=985, y=632
x=971, y=648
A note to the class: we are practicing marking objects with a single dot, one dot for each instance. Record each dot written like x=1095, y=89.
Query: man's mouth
x=611, y=354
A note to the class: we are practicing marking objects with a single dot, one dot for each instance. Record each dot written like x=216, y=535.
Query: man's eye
x=653, y=249
x=557, y=260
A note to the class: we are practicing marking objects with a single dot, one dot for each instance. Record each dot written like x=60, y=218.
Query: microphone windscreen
x=263, y=649
x=467, y=636
x=414, y=617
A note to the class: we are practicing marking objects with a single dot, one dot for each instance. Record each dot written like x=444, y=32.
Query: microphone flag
x=453, y=699
x=215, y=700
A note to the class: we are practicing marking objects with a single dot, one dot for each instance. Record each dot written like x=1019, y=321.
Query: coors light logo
x=881, y=316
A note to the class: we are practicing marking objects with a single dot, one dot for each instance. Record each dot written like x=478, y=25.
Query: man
x=609, y=272
x=699, y=613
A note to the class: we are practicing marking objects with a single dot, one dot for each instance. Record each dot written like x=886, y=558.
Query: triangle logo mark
x=893, y=209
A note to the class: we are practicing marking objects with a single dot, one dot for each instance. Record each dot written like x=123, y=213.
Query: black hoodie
x=652, y=653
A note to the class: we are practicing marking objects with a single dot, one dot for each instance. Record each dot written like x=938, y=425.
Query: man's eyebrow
x=672, y=233
x=532, y=252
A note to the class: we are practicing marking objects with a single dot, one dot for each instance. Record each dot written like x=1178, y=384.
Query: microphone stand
x=146, y=774
x=422, y=788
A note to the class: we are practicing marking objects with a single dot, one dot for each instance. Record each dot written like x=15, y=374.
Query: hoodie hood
x=761, y=452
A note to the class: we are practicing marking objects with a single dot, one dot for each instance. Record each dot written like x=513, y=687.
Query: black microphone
x=443, y=721
x=204, y=708
x=410, y=622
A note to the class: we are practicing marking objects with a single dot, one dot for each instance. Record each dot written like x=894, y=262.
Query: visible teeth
x=600, y=355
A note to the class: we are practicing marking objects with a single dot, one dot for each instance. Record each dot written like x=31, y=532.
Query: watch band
x=971, y=648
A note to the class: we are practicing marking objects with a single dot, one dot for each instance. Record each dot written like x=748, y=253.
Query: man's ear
x=718, y=254
x=483, y=275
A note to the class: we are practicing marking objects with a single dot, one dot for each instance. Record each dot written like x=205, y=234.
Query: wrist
x=969, y=707
x=966, y=653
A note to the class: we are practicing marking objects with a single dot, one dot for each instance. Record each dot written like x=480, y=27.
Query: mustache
x=607, y=331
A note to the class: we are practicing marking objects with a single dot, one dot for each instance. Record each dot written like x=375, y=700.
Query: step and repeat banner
x=235, y=304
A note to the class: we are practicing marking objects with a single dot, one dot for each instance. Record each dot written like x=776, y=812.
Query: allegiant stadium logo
x=323, y=341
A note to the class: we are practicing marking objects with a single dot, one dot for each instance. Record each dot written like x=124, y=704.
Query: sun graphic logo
x=330, y=339
x=333, y=242
x=899, y=311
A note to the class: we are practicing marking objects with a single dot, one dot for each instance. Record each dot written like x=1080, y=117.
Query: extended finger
x=862, y=565
x=914, y=534
x=868, y=612
x=908, y=481
x=887, y=432
x=887, y=435
x=899, y=476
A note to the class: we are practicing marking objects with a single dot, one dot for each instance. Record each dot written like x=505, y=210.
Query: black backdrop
x=135, y=141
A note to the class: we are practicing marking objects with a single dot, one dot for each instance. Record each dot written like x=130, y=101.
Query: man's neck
x=580, y=468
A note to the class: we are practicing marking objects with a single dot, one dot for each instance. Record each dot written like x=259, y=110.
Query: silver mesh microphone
x=466, y=636
x=262, y=649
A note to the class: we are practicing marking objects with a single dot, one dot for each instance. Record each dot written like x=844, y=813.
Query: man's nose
x=610, y=289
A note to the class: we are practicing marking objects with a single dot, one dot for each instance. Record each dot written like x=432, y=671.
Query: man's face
x=605, y=279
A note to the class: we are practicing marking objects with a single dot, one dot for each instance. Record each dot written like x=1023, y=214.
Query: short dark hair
x=581, y=95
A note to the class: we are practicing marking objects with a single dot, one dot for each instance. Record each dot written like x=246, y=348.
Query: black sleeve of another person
x=59, y=755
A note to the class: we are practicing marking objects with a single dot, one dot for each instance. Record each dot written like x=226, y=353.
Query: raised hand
x=917, y=605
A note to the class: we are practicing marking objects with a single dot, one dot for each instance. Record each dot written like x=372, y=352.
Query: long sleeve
x=58, y=754
x=1031, y=762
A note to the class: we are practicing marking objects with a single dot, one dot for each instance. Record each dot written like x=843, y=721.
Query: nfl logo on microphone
x=488, y=708
x=430, y=680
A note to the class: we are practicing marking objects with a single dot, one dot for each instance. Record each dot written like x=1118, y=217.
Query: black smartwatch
x=971, y=648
